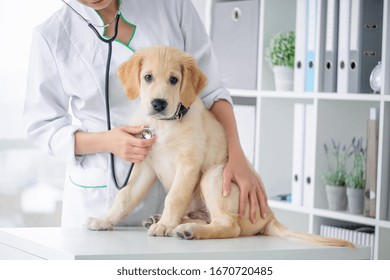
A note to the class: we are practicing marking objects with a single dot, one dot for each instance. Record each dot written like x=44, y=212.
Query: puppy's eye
x=173, y=80
x=148, y=78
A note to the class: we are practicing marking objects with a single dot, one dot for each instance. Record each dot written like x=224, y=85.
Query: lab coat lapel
x=93, y=53
x=91, y=50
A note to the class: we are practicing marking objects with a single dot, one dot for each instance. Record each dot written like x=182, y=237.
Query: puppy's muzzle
x=159, y=105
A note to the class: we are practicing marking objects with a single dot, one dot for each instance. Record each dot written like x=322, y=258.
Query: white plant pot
x=284, y=78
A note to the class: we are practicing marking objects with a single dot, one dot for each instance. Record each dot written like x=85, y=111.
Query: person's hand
x=251, y=187
x=124, y=143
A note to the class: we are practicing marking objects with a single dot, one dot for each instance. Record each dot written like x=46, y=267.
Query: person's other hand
x=251, y=187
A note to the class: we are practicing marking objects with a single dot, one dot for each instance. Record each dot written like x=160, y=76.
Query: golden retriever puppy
x=188, y=156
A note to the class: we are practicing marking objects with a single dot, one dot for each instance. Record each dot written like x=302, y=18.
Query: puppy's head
x=162, y=77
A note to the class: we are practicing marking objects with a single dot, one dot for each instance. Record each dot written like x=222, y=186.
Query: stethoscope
x=146, y=132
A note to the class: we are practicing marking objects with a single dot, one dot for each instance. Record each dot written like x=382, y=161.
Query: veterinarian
x=65, y=108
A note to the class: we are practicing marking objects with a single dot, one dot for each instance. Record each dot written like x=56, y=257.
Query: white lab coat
x=65, y=93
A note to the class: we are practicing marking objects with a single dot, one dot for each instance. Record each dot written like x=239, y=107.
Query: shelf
x=309, y=95
x=325, y=213
x=353, y=97
x=384, y=224
x=244, y=93
x=345, y=216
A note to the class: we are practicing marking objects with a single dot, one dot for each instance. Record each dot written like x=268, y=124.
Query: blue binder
x=315, y=37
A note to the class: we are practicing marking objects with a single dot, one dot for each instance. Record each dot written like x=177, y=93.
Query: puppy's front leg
x=177, y=201
x=127, y=199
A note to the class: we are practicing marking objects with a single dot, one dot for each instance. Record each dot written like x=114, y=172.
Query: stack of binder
x=338, y=43
x=357, y=234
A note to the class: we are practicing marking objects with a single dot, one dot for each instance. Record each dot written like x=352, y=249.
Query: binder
x=331, y=43
x=300, y=43
x=246, y=127
x=298, y=154
x=355, y=45
x=309, y=156
x=234, y=33
x=343, y=46
x=371, y=164
x=365, y=42
x=315, y=36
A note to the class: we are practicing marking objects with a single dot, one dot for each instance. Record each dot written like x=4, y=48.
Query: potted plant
x=355, y=179
x=280, y=56
x=336, y=175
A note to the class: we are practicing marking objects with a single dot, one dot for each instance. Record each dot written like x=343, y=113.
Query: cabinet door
x=234, y=32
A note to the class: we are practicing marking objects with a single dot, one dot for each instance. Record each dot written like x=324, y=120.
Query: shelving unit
x=338, y=116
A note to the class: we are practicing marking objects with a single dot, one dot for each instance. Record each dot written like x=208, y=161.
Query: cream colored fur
x=188, y=157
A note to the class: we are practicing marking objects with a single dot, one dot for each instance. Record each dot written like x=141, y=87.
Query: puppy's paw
x=98, y=224
x=160, y=229
x=185, y=231
x=151, y=220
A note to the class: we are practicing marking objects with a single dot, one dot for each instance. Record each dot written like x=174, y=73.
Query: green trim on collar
x=120, y=42
x=132, y=35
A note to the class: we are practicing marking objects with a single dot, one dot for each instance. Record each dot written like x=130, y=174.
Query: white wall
x=27, y=175
x=17, y=20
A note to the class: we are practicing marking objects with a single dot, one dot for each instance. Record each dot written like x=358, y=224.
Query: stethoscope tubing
x=107, y=97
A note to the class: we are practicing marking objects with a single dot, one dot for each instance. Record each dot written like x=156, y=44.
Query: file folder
x=309, y=156
x=343, y=46
x=355, y=45
x=315, y=36
x=298, y=154
x=365, y=42
x=300, y=46
x=331, y=43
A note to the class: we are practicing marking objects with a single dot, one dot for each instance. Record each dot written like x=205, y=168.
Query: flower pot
x=337, y=197
x=284, y=78
x=355, y=200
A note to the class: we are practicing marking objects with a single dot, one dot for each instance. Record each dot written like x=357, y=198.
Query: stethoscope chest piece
x=147, y=133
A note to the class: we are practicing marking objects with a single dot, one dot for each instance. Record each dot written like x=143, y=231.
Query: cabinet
x=338, y=116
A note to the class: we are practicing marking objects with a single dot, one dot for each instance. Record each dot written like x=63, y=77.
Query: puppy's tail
x=274, y=228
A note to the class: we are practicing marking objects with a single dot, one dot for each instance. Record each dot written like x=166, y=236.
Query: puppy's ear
x=129, y=75
x=193, y=81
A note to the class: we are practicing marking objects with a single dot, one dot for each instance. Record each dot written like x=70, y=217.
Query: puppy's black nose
x=159, y=105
